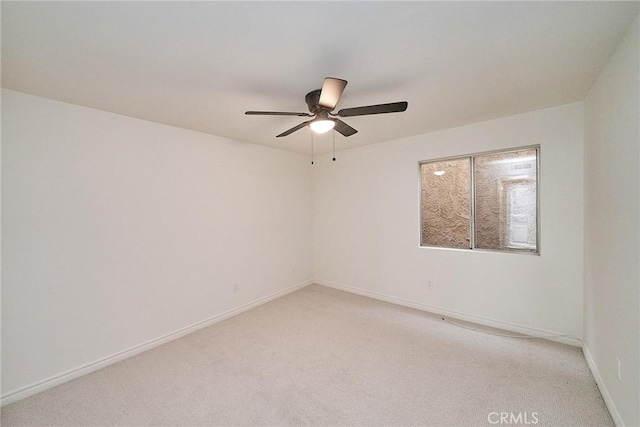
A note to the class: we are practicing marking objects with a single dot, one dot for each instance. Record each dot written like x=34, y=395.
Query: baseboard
x=69, y=375
x=576, y=342
x=617, y=419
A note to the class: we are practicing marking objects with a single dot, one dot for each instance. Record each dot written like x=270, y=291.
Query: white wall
x=612, y=230
x=117, y=231
x=367, y=231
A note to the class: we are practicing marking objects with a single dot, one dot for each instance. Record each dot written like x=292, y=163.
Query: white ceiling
x=200, y=65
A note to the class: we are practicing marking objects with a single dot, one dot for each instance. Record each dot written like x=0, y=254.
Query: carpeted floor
x=324, y=357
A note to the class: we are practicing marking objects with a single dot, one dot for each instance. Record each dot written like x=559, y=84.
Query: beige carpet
x=325, y=357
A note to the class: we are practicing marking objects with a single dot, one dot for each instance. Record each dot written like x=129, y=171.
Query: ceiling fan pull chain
x=311, y=147
x=334, y=145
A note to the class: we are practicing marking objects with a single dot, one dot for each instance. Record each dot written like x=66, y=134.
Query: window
x=483, y=201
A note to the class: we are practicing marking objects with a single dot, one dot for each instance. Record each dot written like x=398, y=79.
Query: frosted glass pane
x=505, y=200
x=446, y=205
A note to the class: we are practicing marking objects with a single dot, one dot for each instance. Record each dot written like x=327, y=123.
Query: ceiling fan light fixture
x=322, y=125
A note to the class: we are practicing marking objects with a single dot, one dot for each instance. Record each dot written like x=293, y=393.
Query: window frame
x=472, y=201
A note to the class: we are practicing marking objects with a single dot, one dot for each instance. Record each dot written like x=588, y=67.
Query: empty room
x=320, y=213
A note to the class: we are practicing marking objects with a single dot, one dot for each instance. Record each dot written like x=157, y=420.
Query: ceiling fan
x=321, y=103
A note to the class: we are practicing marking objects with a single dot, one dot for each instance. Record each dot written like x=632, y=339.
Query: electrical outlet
x=236, y=287
x=619, y=369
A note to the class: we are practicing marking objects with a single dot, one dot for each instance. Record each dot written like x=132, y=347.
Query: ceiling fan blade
x=332, y=88
x=277, y=113
x=344, y=128
x=293, y=129
x=393, y=107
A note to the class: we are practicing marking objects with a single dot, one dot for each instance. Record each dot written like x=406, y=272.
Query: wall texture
x=367, y=227
x=118, y=231
x=612, y=229
x=446, y=203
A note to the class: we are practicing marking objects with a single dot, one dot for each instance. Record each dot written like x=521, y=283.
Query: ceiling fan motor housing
x=313, y=101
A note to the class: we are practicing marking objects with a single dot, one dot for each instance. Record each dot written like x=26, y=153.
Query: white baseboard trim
x=576, y=342
x=617, y=419
x=40, y=386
